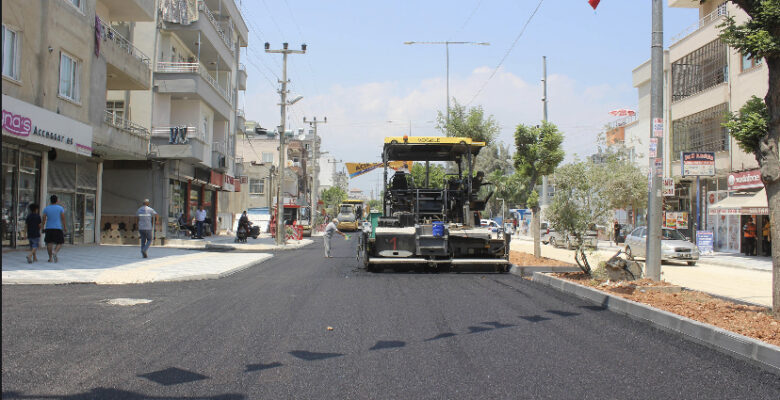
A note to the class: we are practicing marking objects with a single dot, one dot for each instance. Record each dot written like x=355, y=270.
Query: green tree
x=332, y=196
x=759, y=37
x=436, y=176
x=538, y=153
x=470, y=123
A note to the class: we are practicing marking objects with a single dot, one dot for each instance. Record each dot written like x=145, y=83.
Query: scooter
x=241, y=234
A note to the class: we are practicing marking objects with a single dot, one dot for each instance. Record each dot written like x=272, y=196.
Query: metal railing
x=109, y=33
x=240, y=113
x=241, y=67
x=191, y=133
x=219, y=147
x=130, y=127
x=225, y=37
x=721, y=11
x=194, y=67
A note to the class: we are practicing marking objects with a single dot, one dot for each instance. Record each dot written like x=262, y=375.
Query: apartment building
x=703, y=81
x=190, y=110
x=59, y=59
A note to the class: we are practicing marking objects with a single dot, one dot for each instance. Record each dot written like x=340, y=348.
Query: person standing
x=616, y=229
x=147, y=220
x=767, y=233
x=750, y=237
x=55, y=227
x=33, y=222
x=329, y=231
x=200, y=219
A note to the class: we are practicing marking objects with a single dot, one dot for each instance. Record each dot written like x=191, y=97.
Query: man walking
x=55, y=227
x=200, y=219
x=750, y=237
x=147, y=220
x=329, y=230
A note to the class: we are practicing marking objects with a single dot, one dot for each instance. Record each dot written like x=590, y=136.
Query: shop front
x=731, y=210
x=45, y=153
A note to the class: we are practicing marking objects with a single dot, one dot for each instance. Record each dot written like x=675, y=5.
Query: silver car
x=674, y=246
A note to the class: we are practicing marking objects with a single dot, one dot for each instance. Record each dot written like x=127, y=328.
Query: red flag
x=594, y=3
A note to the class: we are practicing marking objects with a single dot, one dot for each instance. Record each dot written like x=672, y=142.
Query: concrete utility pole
x=447, y=46
x=315, y=193
x=654, y=210
x=536, y=221
x=284, y=103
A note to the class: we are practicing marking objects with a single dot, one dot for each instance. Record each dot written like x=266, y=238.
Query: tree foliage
x=538, y=153
x=749, y=125
x=581, y=198
x=470, y=123
x=759, y=36
x=436, y=176
x=332, y=196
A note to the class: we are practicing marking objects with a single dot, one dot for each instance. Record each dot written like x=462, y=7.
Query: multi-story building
x=59, y=59
x=704, y=79
x=191, y=111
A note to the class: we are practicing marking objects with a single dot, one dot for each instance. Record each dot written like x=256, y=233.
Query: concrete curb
x=530, y=270
x=762, y=354
x=237, y=247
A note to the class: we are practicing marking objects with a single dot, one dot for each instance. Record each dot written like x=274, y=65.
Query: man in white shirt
x=200, y=218
x=147, y=219
x=329, y=230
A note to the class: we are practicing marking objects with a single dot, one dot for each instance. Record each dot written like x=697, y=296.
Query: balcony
x=219, y=156
x=183, y=79
x=130, y=10
x=242, y=77
x=228, y=9
x=127, y=68
x=199, y=30
x=716, y=15
x=118, y=138
x=240, y=120
x=173, y=142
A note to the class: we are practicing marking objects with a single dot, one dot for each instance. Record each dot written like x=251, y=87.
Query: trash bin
x=374, y=216
x=438, y=229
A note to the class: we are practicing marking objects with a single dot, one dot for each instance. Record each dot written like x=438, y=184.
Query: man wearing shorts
x=55, y=227
x=33, y=222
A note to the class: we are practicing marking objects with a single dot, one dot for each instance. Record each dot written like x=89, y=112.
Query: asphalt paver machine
x=433, y=228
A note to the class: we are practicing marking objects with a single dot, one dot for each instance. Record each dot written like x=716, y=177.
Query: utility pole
x=654, y=211
x=544, y=118
x=536, y=218
x=284, y=103
x=315, y=194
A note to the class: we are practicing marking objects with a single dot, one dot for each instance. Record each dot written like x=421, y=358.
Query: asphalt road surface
x=263, y=333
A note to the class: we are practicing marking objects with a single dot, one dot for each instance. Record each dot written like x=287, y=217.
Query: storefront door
x=84, y=218
x=21, y=187
x=7, y=228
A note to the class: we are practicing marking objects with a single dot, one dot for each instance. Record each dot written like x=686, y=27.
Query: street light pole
x=447, y=47
x=654, y=212
x=315, y=194
x=284, y=103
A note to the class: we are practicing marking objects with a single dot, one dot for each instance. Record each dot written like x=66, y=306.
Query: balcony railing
x=219, y=147
x=240, y=113
x=130, y=127
x=191, y=68
x=241, y=67
x=108, y=33
x=709, y=18
x=177, y=135
x=225, y=37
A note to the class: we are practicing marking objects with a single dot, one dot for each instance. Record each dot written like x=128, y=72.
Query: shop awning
x=742, y=204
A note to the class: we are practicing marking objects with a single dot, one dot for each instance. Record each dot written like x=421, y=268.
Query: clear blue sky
x=358, y=72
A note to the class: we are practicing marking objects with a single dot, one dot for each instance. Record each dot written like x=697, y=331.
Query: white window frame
x=269, y=158
x=257, y=181
x=15, y=61
x=75, y=96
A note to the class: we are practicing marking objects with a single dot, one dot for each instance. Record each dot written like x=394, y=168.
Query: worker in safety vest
x=750, y=237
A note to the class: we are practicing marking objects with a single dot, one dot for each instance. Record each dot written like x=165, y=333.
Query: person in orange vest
x=750, y=237
x=767, y=233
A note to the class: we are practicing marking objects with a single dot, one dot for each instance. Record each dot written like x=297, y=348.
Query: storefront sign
x=698, y=164
x=745, y=180
x=668, y=187
x=25, y=121
x=704, y=241
x=228, y=184
x=653, y=147
x=216, y=178
x=670, y=219
x=658, y=127
x=682, y=220
x=739, y=211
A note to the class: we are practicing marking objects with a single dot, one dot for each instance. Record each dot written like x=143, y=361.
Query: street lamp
x=447, y=46
x=502, y=210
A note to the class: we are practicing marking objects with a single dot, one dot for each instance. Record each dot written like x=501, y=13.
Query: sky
x=358, y=72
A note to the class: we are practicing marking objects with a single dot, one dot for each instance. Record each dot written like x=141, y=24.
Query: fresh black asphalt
x=263, y=333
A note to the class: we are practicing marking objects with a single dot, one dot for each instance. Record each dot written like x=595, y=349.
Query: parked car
x=494, y=227
x=674, y=246
x=569, y=241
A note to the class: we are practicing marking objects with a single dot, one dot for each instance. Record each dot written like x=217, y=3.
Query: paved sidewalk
x=108, y=264
x=733, y=281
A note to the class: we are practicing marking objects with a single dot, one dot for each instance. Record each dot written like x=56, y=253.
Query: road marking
x=125, y=301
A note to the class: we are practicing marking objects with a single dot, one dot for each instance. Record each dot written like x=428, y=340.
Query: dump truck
x=433, y=228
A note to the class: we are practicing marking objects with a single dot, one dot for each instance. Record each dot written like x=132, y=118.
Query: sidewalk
x=720, y=274
x=228, y=242
x=108, y=264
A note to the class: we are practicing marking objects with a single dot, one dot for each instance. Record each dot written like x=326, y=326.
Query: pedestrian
x=33, y=222
x=329, y=230
x=767, y=233
x=200, y=219
x=147, y=220
x=616, y=231
x=55, y=227
x=750, y=237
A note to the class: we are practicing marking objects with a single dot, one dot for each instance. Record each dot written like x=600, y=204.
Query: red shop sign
x=216, y=178
x=745, y=180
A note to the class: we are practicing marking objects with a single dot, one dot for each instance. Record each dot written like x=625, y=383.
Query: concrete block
x=768, y=355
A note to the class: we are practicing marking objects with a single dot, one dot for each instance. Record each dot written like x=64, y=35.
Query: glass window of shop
x=178, y=200
x=21, y=187
x=194, y=200
x=208, y=205
x=75, y=186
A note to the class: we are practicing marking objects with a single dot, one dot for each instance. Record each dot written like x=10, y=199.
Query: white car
x=493, y=225
x=674, y=246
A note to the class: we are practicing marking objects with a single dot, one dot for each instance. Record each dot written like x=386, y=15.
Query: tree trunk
x=769, y=160
x=535, y=228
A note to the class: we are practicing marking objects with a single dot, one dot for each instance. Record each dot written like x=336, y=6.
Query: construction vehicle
x=350, y=215
x=428, y=227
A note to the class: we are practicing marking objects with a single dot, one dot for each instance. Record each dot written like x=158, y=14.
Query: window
x=116, y=108
x=702, y=69
x=10, y=53
x=69, y=77
x=256, y=186
x=750, y=62
x=700, y=132
x=268, y=157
